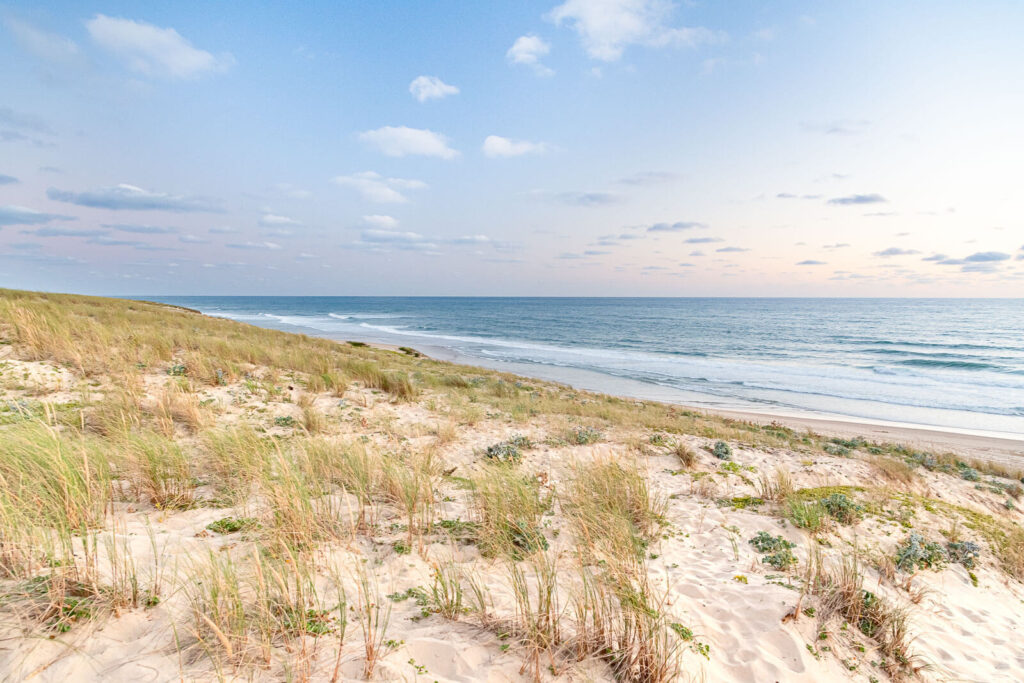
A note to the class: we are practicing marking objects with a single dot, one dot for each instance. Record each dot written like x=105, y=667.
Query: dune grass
x=339, y=469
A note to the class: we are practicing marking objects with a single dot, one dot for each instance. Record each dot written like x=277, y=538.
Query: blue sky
x=605, y=147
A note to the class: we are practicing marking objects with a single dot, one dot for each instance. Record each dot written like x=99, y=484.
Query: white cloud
x=270, y=220
x=48, y=46
x=125, y=196
x=497, y=146
x=392, y=236
x=376, y=188
x=380, y=221
x=608, y=27
x=401, y=141
x=266, y=246
x=425, y=88
x=152, y=50
x=529, y=50
x=20, y=215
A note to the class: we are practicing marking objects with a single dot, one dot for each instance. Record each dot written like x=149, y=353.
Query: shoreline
x=989, y=447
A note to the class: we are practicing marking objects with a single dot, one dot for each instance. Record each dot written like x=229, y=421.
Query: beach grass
x=260, y=490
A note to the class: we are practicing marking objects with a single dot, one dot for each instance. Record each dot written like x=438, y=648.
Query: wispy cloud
x=582, y=198
x=380, y=221
x=811, y=262
x=648, y=178
x=256, y=246
x=425, y=88
x=271, y=220
x=152, y=50
x=60, y=231
x=20, y=215
x=7, y=179
x=529, y=50
x=856, y=199
x=675, y=227
x=47, y=46
x=839, y=127
x=133, y=198
x=376, y=188
x=497, y=146
x=401, y=141
x=896, y=251
x=608, y=27
x=731, y=250
x=704, y=240
x=141, y=229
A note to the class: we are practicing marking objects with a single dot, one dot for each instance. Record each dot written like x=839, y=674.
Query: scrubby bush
x=722, y=450
x=967, y=472
x=581, y=436
x=964, y=553
x=764, y=542
x=842, y=508
x=782, y=560
x=918, y=553
x=508, y=451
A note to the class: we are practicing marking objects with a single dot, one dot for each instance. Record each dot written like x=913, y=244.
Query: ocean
x=949, y=363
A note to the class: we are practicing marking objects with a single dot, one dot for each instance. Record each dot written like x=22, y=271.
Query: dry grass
x=352, y=473
x=894, y=470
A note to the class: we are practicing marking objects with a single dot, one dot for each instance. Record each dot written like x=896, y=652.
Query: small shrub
x=764, y=542
x=659, y=439
x=722, y=450
x=836, y=449
x=964, y=553
x=231, y=525
x=508, y=451
x=284, y=421
x=842, y=508
x=967, y=472
x=918, y=553
x=781, y=560
x=581, y=436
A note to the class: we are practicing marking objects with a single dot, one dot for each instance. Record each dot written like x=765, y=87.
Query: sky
x=575, y=148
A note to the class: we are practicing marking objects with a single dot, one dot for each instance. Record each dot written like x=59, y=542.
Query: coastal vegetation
x=272, y=506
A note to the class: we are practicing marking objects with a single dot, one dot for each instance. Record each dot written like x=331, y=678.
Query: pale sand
x=964, y=633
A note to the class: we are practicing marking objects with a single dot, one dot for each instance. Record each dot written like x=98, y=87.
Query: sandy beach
x=337, y=512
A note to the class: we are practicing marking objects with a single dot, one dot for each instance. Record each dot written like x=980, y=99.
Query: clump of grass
x=894, y=470
x=842, y=594
x=614, y=514
x=537, y=611
x=687, y=456
x=809, y=515
x=410, y=484
x=242, y=610
x=508, y=505
x=446, y=590
x=777, y=487
x=158, y=468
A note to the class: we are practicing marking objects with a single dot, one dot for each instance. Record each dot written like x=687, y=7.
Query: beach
x=215, y=500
